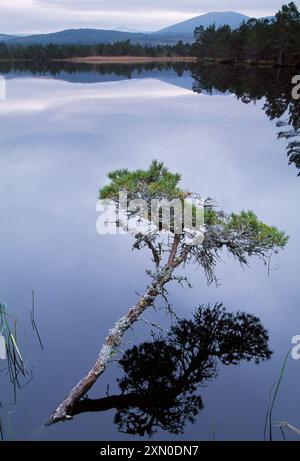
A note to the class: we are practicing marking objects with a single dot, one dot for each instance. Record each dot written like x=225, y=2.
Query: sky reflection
x=58, y=141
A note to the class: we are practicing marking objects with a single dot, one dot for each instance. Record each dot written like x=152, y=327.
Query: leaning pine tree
x=242, y=235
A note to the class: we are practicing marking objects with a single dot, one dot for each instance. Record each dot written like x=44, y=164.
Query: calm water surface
x=60, y=133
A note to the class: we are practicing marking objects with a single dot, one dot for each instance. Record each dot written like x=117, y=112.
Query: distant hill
x=229, y=18
x=91, y=37
x=169, y=35
x=6, y=38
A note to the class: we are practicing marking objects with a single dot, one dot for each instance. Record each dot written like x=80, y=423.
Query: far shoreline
x=127, y=59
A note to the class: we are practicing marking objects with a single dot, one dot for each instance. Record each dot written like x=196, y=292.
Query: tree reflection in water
x=161, y=379
x=251, y=84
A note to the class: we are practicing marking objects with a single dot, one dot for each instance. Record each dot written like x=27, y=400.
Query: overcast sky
x=34, y=16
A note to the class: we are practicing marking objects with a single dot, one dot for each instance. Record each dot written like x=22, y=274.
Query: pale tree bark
x=115, y=335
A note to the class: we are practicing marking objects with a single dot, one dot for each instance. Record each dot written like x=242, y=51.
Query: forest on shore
x=119, y=48
x=274, y=41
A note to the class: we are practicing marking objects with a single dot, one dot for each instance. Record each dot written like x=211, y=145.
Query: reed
x=33, y=322
x=272, y=401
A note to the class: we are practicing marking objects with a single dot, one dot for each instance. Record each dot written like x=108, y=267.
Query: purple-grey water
x=59, y=136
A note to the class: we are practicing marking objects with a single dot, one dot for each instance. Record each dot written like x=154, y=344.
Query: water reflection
x=253, y=84
x=162, y=377
x=53, y=162
x=248, y=84
x=87, y=73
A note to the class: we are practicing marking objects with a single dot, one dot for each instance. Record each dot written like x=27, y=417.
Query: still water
x=61, y=132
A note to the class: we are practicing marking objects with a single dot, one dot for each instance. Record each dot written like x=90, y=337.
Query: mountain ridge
x=7, y=37
x=230, y=18
x=169, y=35
x=85, y=36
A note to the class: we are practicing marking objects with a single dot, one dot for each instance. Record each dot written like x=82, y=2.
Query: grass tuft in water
x=15, y=364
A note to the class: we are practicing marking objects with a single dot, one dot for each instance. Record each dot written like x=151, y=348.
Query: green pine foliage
x=156, y=182
x=261, y=232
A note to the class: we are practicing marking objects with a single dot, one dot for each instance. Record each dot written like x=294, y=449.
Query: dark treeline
x=40, y=53
x=274, y=41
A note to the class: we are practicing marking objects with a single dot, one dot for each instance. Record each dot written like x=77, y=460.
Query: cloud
x=37, y=16
x=183, y=6
x=34, y=16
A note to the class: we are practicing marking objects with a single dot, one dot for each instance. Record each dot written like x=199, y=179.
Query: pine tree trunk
x=115, y=335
